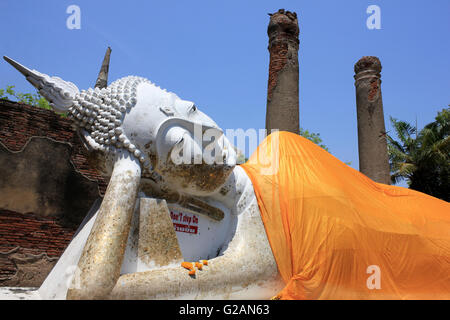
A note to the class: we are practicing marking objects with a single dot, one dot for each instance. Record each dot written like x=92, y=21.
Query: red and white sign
x=184, y=222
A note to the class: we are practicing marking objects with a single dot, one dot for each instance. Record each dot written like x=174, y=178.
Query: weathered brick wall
x=19, y=122
x=28, y=234
x=31, y=244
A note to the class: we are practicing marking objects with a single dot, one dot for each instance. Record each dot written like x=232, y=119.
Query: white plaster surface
x=12, y=293
x=58, y=281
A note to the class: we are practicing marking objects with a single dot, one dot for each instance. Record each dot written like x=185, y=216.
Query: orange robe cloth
x=336, y=234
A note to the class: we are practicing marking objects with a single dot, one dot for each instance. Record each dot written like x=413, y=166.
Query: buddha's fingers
x=101, y=260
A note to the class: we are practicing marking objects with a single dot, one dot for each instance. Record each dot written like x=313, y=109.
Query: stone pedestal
x=158, y=243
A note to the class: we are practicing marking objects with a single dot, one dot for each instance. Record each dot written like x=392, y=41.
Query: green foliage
x=241, y=158
x=314, y=137
x=422, y=158
x=31, y=99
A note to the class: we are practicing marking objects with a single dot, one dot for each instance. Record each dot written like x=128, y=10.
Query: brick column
x=282, y=92
x=372, y=144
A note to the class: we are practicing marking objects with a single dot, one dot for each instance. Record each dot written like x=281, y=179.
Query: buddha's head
x=179, y=147
x=168, y=135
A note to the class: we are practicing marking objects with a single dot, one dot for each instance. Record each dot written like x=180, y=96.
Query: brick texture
x=283, y=84
x=19, y=122
x=33, y=235
x=26, y=232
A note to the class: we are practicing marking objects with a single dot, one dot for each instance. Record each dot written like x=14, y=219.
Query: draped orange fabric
x=336, y=234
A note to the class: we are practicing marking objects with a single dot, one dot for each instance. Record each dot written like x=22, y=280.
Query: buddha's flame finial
x=58, y=92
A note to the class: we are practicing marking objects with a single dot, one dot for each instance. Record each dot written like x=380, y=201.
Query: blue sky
x=215, y=53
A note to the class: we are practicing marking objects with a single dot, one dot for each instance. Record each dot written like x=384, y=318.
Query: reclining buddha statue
x=180, y=220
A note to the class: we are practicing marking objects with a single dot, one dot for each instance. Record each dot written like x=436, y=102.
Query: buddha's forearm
x=101, y=259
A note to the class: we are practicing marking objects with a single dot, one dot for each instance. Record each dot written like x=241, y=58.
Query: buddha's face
x=185, y=146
